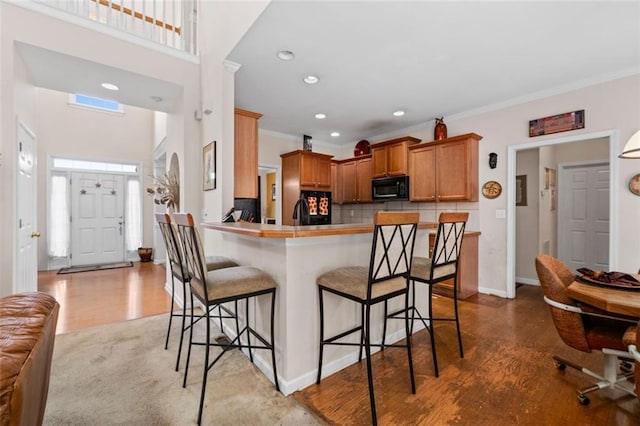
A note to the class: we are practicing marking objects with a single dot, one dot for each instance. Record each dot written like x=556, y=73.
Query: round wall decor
x=491, y=189
x=634, y=184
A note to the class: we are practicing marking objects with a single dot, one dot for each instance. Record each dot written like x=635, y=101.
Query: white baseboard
x=492, y=291
x=528, y=281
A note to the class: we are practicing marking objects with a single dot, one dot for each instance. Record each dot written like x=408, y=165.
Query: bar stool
x=179, y=272
x=386, y=277
x=442, y=265
x=213, y=288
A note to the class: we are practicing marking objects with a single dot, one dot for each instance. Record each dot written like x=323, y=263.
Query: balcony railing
x=171, y=23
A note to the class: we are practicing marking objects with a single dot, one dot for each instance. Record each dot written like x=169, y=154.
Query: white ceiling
x=428, y=58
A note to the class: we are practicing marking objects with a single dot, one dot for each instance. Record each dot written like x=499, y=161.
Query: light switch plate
x=501, y=213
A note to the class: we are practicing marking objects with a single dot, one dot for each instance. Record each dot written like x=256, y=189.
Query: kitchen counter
x=286, y=231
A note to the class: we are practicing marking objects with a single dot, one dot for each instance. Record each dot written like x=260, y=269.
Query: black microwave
x=390, y=188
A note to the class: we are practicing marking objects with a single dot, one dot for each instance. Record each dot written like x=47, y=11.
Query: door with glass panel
x=97, y=218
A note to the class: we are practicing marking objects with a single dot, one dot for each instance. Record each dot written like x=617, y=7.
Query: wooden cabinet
x=315, y=171
x=355, y=174
x=336, y=183
x=445, y=170
x=245, y=157
x=389, y=158
x=302, y=171
x=467, y=268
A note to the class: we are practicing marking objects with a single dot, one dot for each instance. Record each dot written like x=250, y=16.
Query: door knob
x=35, y=234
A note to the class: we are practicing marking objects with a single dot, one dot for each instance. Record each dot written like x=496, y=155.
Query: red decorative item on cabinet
x=440, y=131
x=362, y=148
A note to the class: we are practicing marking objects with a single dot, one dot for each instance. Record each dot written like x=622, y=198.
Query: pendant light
x=632, y=147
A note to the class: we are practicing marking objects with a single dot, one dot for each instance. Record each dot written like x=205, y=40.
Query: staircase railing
x=168, y=22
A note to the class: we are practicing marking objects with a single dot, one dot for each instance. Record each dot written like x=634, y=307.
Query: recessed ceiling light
x=286, y=55
x=110, y=86
x=321, y=116
x=311, y=79
x=398, y=113
x=335, y=134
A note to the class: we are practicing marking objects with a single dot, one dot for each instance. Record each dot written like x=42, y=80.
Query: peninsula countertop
x=286, y=231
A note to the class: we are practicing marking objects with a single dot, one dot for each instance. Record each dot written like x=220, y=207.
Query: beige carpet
x=120, y=374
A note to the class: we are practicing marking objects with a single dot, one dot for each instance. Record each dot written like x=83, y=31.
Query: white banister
x=154, y=20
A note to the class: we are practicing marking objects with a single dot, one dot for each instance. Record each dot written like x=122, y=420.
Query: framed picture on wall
x=273, y=192
x=209, y=166
x=521, y=190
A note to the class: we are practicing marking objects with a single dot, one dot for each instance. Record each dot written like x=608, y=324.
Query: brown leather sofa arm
x=27, y=333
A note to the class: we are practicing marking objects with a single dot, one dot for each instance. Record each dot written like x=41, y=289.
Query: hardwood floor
x=100, y=297
x=506, y=377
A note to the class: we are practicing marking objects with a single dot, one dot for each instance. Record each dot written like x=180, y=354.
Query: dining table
x=610, y=299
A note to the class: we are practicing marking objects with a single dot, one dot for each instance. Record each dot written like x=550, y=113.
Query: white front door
x=97, y=218
x=27, y=253
x=583, y=216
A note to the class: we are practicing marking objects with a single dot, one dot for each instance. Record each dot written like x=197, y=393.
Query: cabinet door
x=397, y=159
x=422, y=170
x=379, y=162
x=307, y=171
x=246, y=154
x=336, y=183
x=453, y=171
x=323, y=173
x=349, y=183
x=364, y=176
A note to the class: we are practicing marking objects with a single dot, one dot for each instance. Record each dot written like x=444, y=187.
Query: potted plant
x=166, y=191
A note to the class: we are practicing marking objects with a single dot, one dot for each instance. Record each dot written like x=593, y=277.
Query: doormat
x=88, y=268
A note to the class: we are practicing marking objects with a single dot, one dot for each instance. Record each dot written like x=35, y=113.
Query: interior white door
x=27, y=253
x=583, y=215
x=97, y=218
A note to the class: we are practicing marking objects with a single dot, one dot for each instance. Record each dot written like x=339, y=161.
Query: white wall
x=159, y=127
x=80, y=133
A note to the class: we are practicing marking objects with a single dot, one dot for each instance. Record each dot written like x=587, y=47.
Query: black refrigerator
x=312, y=208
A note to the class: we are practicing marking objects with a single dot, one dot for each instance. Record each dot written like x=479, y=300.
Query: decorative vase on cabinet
x=440, y=131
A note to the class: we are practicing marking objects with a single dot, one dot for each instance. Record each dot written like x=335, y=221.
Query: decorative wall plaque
x=557, y=123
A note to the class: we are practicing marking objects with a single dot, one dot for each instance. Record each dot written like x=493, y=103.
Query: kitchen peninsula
x=294, y=256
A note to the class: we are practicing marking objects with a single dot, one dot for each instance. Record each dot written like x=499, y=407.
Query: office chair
x=583, y=328
x=633, y=340
x=386, y=277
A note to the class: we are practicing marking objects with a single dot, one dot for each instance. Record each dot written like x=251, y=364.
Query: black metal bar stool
x=442, y=265
x=386, y=277
x=179, y=272
x=212, y=288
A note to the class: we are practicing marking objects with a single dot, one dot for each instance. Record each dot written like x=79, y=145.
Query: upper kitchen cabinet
x=302, y=171
x=312, y=169
x=245, y=158
x=389, y=158
x=445, y=170
x=356, y=180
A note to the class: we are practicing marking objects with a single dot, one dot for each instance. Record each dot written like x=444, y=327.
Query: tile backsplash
x=363, y=213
